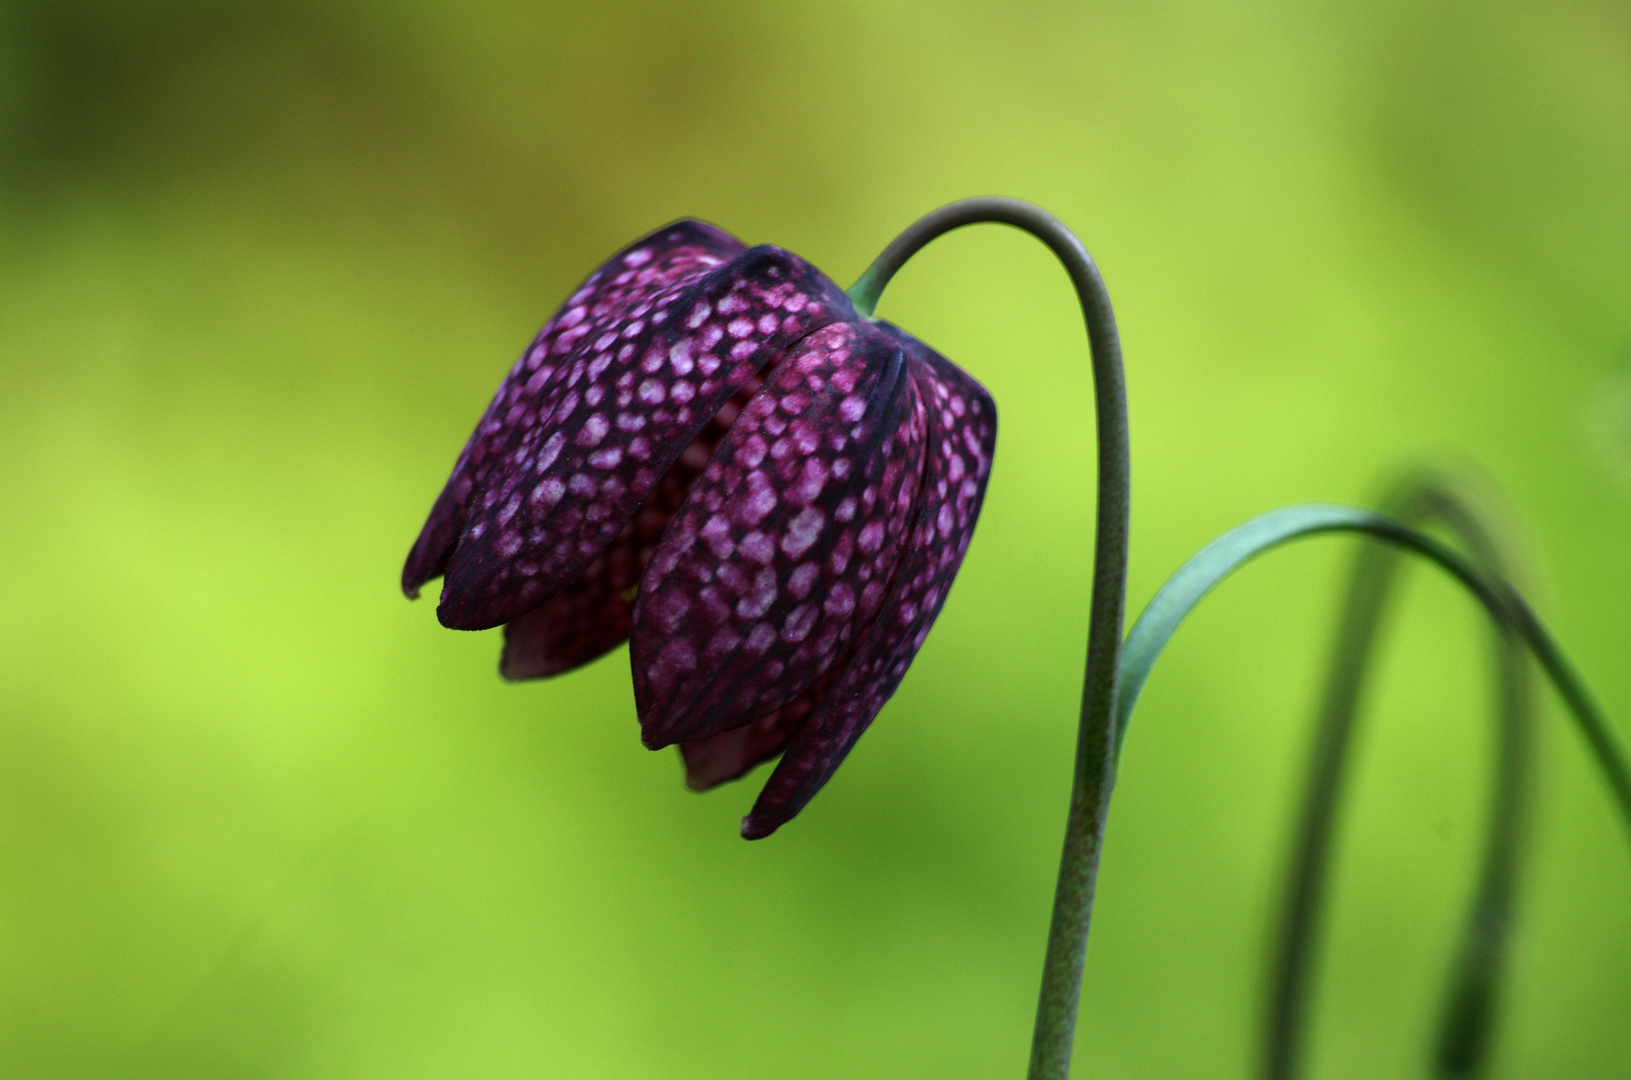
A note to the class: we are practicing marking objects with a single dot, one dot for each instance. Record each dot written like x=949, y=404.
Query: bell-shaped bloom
x=708, y=452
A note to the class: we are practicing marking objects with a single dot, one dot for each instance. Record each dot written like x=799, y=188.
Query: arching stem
x=1096, y=737
x=1479, y=960
x=1192, y=581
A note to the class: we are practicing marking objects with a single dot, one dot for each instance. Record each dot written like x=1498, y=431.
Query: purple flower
x=709, y=452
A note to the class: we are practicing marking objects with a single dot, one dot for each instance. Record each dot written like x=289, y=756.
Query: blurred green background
x=261, y=266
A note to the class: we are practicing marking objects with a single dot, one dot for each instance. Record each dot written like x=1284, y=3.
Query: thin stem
x=1503, y=602
x=1174, y=601
x=1096, y=737
x=1217, y=560
x=1479, y=959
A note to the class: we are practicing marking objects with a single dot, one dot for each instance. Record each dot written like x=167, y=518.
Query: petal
x=786, y=545
x=628, y=283
x=580, y=458
x=732, y=754
x=592, y=615
x=583, y=621
x=962, y=423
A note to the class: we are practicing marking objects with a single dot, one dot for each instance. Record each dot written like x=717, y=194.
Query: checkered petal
x=787, y=543
x=592, y=615
x=962, y=431
x=624, y=289
x=583, y=452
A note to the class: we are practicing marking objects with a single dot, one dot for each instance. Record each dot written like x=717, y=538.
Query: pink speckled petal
x=962, y=436
x=591, y=616
x=580, y=462
x=620, y=292
x=786, y=546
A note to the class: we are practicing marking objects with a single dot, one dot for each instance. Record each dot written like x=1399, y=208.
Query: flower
x=710, y=453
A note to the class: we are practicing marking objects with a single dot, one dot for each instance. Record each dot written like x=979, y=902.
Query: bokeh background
x=261, y=266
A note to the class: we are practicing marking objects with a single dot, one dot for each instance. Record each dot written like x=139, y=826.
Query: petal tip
x=462, y=607
x=414, y=577
x=459, y=617
x=755, y=829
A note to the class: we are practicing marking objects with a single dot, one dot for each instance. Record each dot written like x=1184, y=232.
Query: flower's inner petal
x=591, y=616
x=623, y=290
x=732, y=754
x=579, y=462
x=962, y=436
x=787, y=543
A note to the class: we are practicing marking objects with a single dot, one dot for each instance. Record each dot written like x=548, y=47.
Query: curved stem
x=1476, y=973
x=1167, y=609
x=1096, y=737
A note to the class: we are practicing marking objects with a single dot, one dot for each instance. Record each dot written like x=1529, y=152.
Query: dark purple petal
x=585, y=620
x=732, y=754
x=962, y=426
x=592, y=615
x=786, y=546
x=619, y=292
x=580, y=458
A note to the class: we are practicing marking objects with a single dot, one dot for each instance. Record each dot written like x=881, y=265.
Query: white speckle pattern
x=569, y=383
x=963, y=422
x=709, y=452
x=755, y=508
x=593, y=614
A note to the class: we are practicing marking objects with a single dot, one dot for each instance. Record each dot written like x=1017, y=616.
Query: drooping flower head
x=709, y=452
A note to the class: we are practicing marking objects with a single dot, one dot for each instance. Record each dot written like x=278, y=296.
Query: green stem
x=1479, y=959
x=1096, y=738
x=1167, y=609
